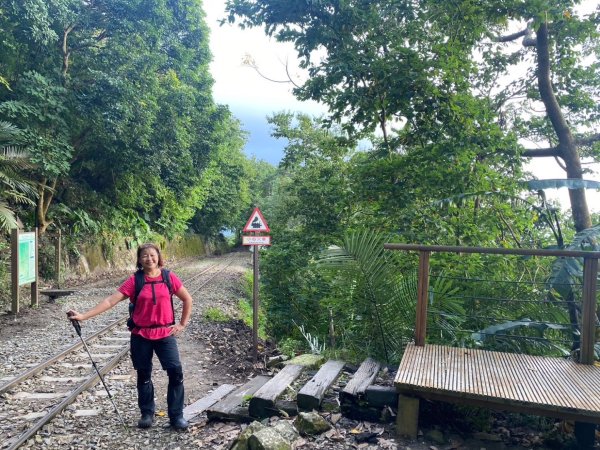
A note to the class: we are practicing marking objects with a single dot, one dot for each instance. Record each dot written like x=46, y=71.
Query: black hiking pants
x=142, y=351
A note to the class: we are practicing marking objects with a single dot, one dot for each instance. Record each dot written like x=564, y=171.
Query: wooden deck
x=532, y=384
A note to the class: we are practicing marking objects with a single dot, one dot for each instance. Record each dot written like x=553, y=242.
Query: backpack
x=140, y=281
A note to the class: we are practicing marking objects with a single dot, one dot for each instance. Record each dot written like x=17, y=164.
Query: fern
x=378, y=307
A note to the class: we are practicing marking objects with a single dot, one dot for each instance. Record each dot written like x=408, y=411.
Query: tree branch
x=511, y=37
x=588, y=140
x=542, y=152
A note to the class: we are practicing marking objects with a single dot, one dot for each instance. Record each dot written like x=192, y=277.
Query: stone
x=311, y=423
x=268, y=439
x=436, y=436
x=241, y=443
x=286, y=430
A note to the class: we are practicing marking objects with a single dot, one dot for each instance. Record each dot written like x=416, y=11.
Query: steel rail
x=91, y=381
x=44, y=364
x=225, y=266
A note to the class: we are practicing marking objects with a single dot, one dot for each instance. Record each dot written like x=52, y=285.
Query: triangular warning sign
x=256, y=222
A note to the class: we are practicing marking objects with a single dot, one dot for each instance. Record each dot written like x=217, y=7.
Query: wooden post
x=34, y=285
x=423, y=288
x=255, y=303
x=14, y=269
x=57, y=257
x=407, y=421
x=588, y=316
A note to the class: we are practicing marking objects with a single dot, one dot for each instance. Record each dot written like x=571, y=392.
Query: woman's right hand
x=74, y=315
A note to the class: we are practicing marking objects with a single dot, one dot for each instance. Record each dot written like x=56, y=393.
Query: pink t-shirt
x=152, y=310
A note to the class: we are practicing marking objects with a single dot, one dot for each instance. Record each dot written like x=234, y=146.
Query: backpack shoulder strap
x=166, y=276
x=140, y=280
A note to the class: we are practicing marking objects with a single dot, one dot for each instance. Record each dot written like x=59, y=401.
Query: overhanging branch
x=552, y=152
x=511, y=37
x=588, y=140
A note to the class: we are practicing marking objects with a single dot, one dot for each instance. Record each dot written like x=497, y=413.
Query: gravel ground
x=213, y=353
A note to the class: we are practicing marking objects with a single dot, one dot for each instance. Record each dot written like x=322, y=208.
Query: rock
x=286, y=430
x=241, y=443
x=436, y=436
x=487, y=437
x=307, y=360
x=311, y=423
x=268, y=439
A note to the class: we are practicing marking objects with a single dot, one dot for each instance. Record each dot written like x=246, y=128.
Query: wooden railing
x=590, y=274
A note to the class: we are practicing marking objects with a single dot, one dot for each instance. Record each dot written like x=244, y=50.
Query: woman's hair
x=141, y=248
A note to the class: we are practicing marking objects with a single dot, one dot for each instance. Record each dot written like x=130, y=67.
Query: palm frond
x=377, y=293
x=7, y=217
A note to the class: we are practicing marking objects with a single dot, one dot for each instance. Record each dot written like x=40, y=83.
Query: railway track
x=33, y=398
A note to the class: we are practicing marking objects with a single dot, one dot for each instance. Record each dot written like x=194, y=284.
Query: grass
x=216, y=315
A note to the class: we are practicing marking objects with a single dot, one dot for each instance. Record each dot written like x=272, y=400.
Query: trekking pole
x=77, y=327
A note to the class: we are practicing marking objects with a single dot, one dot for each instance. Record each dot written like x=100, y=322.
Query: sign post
x=24, y=265
x=256, y=224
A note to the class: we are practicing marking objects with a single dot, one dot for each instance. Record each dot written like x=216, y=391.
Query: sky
x=251, y=98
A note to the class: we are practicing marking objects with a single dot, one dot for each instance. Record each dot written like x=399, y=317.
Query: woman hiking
x=153, y=330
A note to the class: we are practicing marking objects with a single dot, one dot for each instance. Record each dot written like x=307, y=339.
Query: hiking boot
x=146, y=421
x=179, y=424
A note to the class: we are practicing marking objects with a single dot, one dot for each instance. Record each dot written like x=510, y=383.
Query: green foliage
x=214, y=314
x=15, y=188
x=124, y=110
x=505, y=337
x=372, y=302
x=291, y=347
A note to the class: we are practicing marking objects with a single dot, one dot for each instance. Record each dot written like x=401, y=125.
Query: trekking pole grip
x=75, y=323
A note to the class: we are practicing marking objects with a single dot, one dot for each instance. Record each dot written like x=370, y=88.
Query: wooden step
x=207, y=401
x=229, y=407
x=379, y=396
x=263, y=401
x=352, y=398
x=312, y=393
x=362, y=379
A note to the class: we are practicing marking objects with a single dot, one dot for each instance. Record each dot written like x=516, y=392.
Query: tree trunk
x=45, y=195
x=567, y=148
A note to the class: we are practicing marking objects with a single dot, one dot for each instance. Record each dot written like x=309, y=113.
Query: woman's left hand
x=177, y=329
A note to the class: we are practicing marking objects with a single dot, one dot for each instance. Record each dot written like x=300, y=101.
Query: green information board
x=26, y=258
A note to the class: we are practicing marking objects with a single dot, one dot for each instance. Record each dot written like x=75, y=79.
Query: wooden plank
x=588, y=313
x=380, y=396
x=493, y=251
x=262, y=403
x=229, y=407
x=312, y=393
x=525, y=383
x=422, y=299
x=363, y=377
x=207, y=401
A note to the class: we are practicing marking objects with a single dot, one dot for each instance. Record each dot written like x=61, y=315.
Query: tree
x=419, y=70
x=559, y=68
x=14, y=187
x=309, y=208
x=114, y=97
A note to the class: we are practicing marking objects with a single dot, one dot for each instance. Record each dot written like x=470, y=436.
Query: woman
x=153, y=330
